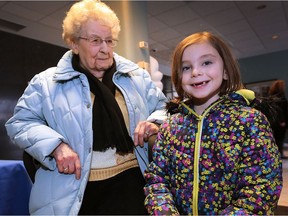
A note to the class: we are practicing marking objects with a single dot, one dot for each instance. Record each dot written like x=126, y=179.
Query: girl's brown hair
x=233, y=83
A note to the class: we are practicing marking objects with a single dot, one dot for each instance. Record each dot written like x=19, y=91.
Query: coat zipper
x=200, y=119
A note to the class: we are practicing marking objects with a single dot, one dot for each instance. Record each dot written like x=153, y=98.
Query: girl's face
x=202, y=74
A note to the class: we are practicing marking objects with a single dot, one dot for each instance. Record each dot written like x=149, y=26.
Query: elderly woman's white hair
x=84, y=10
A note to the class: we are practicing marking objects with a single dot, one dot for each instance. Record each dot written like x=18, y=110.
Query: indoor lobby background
x=22, y=57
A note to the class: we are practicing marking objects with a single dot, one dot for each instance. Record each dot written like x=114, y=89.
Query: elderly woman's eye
x=96, y=40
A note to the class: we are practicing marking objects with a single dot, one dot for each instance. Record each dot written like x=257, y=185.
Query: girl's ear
x=225, y=75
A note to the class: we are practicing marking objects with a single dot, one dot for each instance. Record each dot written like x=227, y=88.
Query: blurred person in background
x=277, y=90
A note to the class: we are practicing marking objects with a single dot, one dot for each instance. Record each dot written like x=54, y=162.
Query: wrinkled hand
x=67, y=160
x=143, y=131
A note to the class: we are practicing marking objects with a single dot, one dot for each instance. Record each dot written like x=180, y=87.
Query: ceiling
x=248, y=26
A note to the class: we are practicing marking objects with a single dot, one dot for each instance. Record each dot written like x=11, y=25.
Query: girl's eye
x=185, y=68
x=207, y=63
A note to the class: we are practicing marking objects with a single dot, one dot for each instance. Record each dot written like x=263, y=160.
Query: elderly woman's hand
x=143, y=131
x=67, y=160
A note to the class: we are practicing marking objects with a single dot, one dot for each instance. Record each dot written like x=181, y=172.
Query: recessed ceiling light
x=274, y=37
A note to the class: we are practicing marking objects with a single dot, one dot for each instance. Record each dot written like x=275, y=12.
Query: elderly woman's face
x=94, y=56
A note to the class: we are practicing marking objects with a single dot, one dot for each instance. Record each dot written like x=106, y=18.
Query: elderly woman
x=86, y=121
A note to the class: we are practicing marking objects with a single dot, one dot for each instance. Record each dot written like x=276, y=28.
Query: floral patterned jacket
x=222, y=162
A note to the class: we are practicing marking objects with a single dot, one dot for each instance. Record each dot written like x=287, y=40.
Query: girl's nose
x=196, y=72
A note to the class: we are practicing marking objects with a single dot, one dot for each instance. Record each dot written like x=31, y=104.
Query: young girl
x=215, y=154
